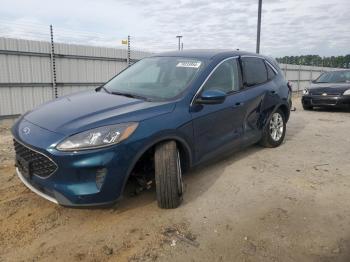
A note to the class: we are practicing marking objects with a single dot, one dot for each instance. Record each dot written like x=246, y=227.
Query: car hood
x=82, y=111
x=330, y=87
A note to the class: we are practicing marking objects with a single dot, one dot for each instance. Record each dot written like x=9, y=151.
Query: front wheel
x=275, y=130
x=168, y=175
x=307, y=107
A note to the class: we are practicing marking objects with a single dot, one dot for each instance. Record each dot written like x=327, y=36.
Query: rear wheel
x=275, y=130
x=168, y=175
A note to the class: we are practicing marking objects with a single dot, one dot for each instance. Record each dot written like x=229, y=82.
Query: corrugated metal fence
x=26, y=76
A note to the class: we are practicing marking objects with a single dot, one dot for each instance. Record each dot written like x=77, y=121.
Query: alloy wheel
x=276, y=126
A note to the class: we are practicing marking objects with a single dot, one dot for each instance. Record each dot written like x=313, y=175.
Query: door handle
x=273, y=92
x=238, y=104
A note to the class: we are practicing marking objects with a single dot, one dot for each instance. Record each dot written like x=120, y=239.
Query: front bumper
x=328, y=100
x=34, y=189
x=74, y=182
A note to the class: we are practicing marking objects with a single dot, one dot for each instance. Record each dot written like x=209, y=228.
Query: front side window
x=158, y=78
x=225, y=78
x=254, y=71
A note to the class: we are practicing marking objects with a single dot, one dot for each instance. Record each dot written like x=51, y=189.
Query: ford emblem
x=26, y=130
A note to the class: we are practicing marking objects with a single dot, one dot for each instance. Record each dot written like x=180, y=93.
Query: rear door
x=259, y=92
x=219, y=126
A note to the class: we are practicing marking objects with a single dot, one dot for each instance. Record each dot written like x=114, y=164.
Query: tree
x=316, y=60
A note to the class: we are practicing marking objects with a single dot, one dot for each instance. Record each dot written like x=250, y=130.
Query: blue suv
x=153, y=122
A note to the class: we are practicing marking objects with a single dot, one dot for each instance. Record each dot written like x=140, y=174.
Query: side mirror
x=211, y=97
x=313, y=81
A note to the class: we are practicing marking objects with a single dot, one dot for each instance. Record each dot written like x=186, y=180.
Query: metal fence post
x=311, y=70
x=53, y=66
x=128, y=58
x=299, y=69
x=285, y=70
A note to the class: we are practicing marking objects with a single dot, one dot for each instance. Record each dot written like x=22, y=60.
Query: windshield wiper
x=129, y=95
x=98, y=89
x=105, y=89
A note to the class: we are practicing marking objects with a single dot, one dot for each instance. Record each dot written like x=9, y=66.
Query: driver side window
x=225, y=78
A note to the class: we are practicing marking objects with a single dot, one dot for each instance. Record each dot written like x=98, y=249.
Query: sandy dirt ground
x=291, y=203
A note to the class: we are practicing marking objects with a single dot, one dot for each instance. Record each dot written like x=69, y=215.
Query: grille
x=329, y=91
x=324, y=102
x=35, y=163
x=328, y=94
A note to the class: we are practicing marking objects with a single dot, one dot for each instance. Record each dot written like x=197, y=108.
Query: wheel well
x=144, y=166
x=184, y=155
x=285, y=111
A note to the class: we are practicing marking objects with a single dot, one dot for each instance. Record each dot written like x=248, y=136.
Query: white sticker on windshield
x=192, y=64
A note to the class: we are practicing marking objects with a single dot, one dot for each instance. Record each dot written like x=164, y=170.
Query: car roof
x=206, y=53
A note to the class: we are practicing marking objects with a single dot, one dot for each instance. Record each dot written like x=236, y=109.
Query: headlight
x=305, y=91
x=347, y=92
x=98, y=137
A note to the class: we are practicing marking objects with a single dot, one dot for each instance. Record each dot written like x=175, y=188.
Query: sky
x=289, y=27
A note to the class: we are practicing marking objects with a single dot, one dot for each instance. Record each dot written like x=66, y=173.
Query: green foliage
x=316, y=60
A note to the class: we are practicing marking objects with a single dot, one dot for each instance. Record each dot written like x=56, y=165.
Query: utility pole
x=53, y=65
x=259, y=28
x=179, y=37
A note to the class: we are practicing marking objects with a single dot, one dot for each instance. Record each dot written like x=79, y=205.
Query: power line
x=44, y=27
x=34, y=31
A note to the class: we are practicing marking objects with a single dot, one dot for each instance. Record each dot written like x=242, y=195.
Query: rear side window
x=270, y=73
x=254, y=71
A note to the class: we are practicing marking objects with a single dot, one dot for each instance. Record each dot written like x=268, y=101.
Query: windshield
x=334, y=77
x=156, y=77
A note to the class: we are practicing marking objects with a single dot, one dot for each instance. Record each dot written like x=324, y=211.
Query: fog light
x=100, y=177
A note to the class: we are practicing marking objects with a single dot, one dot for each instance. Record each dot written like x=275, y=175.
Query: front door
x=219, y=126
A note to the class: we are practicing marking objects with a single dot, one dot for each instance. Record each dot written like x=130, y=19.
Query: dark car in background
x=154, y=120
x=330, y=89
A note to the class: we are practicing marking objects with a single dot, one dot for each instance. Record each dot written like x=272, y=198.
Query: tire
x=307, y=107
x=168, y=175
x=276, y=121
